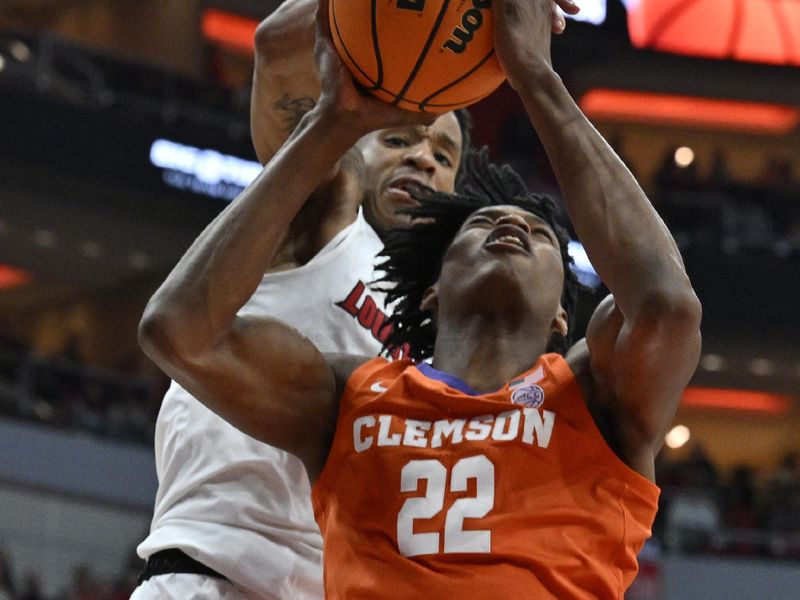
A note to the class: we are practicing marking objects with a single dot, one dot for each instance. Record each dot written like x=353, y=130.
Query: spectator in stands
x=671, y=175
x=697, y=470
x=32, y=588
x=6, y=577
x=84, y=586
x=783, y=493
x=693, y=513
x=739, y=510
x=719, y=177
x=778, y=173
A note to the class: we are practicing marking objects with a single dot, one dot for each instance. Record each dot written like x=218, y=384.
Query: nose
x=421, y=157
x=514, y=219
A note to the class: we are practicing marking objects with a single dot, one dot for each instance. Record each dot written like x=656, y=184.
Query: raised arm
x=285, y=80
x=644, y=343
x=257, y=373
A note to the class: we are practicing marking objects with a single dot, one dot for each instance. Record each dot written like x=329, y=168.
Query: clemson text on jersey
x=526, y=424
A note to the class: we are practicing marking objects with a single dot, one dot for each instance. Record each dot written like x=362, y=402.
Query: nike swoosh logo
x=377, y=387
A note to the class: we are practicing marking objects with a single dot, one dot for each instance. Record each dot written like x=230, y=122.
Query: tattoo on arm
x=293, y=109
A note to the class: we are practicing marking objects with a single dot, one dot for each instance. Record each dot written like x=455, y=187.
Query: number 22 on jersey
x=428, y=506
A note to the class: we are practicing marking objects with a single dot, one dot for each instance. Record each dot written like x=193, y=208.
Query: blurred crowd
x=85, y=585
x=63, y=391
x=705, y=202
x=716, y=210
x=741, y=512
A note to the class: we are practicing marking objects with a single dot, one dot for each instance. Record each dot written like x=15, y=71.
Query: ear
x=560, y=323
x=430, y=300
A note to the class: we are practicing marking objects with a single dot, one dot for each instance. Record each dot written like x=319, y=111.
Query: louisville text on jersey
x=365, y=310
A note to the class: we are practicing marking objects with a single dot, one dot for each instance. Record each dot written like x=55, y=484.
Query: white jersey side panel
x=239, y=506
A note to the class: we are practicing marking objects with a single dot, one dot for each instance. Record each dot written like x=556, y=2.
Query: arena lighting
x=202, y=171
x=592, y=11
x=692, y=111
x=12, y=277
x=750, y=401
x=677, y=437
x=582, y=267
x=229, y=30
x=684, y=156
x=748, y=30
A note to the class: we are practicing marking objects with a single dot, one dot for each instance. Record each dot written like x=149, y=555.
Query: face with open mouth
x=511, y=229
x=503, y=256
x=403, y=164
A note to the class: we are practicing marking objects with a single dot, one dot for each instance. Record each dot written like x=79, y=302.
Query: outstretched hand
x=340, y=94
x=522, y=30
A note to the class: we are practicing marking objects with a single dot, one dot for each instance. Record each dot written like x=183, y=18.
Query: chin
x=398, y=222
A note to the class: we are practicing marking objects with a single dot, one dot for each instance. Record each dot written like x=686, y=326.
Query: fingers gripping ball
x=423, y=55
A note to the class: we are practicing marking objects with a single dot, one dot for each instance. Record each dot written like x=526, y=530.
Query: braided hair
x=413, y=256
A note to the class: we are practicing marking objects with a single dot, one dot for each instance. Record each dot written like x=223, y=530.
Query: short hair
x=465, y=124
x=413, y=256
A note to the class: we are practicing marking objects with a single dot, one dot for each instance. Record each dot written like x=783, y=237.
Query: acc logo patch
x=531, y=396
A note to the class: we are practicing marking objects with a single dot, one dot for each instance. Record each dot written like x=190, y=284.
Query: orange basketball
x=423, y=55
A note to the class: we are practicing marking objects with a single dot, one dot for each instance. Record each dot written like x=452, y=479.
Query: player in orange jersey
x=500, y=468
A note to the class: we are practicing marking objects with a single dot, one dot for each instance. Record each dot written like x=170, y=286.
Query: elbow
x=161, y=336
x=289, y=29
x=676, y=306
x=267, y=39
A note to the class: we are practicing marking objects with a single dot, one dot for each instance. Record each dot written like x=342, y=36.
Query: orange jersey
x=431, y=491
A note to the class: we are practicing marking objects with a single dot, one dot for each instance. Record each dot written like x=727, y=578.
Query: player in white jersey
x=233, y=517
x=235, y=505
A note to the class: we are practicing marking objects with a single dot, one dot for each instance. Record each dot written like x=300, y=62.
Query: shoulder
x=577, y=358
x=345, y=366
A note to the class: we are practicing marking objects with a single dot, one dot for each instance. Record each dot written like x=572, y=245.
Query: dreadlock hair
x=413, y=256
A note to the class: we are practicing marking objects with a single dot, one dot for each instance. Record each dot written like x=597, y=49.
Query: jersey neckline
x=451, y=380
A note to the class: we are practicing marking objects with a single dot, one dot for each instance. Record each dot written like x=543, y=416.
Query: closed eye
x=546, y=233
x=479, y=220
x=396, y=141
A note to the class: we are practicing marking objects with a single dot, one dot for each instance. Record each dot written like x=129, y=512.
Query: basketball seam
x=423, y=53
x=426, y=101
x=350, y=56
x=375, y=42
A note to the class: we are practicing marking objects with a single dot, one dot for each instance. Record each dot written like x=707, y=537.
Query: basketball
x=422, y=55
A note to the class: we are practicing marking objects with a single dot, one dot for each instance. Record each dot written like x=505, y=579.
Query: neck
x=485, y=352
x=330, y=209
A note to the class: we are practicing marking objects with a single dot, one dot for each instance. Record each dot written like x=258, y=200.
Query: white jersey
x=239, y=506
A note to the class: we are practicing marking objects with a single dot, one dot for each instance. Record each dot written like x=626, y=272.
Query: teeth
x=509, y=239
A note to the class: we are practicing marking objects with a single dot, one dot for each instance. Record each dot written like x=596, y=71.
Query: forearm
x=200, y=298
x=625, y=238
x=285, y=81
